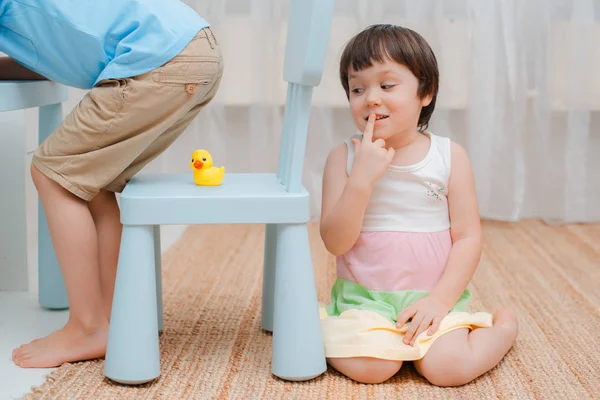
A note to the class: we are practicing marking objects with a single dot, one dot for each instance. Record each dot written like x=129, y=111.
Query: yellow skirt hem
x=362, y=333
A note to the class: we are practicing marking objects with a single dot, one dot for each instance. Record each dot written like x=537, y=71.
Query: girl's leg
x=107, y=219
x=76, y=244
x=366, y=369
x=460, y=356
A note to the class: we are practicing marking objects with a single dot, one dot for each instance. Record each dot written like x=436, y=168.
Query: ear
x=425, y=101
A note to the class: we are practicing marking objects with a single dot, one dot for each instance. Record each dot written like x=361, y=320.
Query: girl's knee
x=366, y=369
x=455, y=370
x=454, y=377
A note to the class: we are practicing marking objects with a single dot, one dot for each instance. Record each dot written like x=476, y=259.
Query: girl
x=400, y=214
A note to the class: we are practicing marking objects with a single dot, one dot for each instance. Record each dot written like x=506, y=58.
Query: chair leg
x=298, y=352
x=268, y=291
x=52, y=291
x=157, y=263
x=132, y=354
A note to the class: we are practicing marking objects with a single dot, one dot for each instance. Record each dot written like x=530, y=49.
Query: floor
x=213, y=346
x=22, y=320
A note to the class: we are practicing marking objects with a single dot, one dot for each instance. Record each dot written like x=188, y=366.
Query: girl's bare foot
x=69, y=344
x=505, y=319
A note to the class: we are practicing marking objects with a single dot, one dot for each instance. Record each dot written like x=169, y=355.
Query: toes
x=506, y=320
x=504, y=315
x=22, y=353
x=26, y=362
x=18, y=359
x=17, y=352
x=26, y=357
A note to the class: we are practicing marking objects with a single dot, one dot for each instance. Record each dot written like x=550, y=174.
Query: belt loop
x=213, y=35
x=210, y=43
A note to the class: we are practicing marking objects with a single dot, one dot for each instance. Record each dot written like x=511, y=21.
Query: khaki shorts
x=123, y=124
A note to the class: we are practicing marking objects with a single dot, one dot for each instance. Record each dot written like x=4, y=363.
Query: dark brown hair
x=402, y=45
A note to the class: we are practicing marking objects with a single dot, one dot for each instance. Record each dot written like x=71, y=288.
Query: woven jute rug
x=213, y=347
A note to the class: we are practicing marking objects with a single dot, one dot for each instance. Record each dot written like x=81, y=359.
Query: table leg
x=13, y=226
x=52, y=291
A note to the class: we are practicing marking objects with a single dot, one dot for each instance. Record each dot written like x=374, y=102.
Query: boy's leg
x=460, y=356
x=76, y=244
x=106, y=215
x=104, y=141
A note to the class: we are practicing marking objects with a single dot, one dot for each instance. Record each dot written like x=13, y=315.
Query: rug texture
x=213, y=346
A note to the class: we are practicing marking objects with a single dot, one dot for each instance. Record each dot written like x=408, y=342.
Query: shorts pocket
x=182, y=73
x=109, y=94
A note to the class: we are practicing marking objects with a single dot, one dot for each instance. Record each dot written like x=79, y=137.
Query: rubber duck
x=204, y=172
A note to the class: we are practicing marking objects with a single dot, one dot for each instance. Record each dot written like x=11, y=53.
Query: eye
x=192, y=160
x=204, y=159
x=357, y=90
x=384, y=87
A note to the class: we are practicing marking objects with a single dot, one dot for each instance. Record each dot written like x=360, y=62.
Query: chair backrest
x=307, y=37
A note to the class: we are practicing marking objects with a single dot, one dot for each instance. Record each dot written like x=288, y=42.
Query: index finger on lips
x=368, y=133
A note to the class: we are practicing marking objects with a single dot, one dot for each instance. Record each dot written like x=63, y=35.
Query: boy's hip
x=199, y=63
x=122, y=124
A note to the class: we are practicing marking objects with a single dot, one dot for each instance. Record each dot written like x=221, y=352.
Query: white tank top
x=410, y=198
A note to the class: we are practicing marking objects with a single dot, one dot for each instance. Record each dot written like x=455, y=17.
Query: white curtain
x=520, y=90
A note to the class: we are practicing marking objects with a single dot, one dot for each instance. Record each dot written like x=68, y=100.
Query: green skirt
x=347, y=295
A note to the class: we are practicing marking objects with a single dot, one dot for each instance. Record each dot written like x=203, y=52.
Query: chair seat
x=163, y=199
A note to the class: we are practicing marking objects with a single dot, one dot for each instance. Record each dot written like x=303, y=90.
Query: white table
x=18, y=95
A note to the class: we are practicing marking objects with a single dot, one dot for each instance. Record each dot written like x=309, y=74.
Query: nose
x=372, y=99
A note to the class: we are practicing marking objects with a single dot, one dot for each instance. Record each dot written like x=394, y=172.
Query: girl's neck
x=403, y=139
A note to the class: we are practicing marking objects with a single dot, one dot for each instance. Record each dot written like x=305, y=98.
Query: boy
x=151, y=66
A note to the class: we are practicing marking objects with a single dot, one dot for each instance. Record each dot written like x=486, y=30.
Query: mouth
x=198, y=164
x=378, y=117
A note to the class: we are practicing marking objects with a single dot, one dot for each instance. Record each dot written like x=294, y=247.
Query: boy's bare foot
x=69, y=344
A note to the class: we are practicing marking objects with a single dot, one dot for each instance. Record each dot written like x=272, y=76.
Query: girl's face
x=389, y=90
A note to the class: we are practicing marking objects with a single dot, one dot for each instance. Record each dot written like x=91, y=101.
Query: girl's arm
x=345, y=198
x=13, y=71
x=465, y=231
x=343, y=204
x=464, y=256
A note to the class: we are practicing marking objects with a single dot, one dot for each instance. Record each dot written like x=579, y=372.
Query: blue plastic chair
x=289, y=308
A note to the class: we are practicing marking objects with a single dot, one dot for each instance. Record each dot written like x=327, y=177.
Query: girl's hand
x=425, y=313
x=372, y=159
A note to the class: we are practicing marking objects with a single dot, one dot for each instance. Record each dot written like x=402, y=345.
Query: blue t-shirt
x=81, y=42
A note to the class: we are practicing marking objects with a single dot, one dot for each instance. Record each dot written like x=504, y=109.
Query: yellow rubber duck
x=204, y=172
